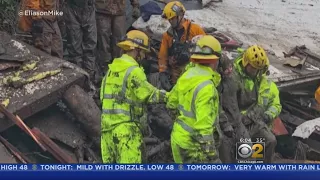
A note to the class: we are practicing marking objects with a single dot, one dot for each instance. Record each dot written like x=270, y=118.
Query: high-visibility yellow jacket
x=196, y=97
x=124, y=91
x=255, y=91
x=269, y=98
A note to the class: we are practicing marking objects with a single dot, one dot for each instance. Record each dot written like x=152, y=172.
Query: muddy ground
x=278, y=25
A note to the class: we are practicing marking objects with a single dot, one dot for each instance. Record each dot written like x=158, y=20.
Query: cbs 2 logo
x=254, y=151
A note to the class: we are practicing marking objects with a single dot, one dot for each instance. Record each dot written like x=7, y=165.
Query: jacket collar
x=129, y=59
x=198, y=69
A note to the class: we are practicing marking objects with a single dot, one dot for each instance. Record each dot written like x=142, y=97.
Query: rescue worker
x=111, y=24
x=44, y=29
x=82, y=35
x=197, y=99
x=175, y=43
x=246, y=95
x=123, y=92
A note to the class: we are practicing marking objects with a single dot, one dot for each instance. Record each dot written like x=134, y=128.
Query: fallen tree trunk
x=86, y=111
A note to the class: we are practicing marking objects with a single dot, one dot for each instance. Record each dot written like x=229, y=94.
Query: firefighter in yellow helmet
x=124, y=91
x=246, y=98
x=196, y=98
x=173, y=54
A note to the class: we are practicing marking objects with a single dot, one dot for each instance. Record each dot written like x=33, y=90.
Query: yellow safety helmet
x=206, y=48
x=196, y=38
x=256, y=57
x=135, y=39
x=173, y=9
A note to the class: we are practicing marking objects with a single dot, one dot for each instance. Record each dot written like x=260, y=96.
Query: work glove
x=208, y=147
x=256, y=113
x=165, y=82
x=267, y=118
x=136, y=12
x=228, y=131
x=246, y=120
x=37, y=26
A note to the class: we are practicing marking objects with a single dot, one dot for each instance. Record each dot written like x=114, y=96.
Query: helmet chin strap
x=178, y=22
x=139, y=58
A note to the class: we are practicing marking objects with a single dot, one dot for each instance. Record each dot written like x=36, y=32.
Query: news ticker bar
x=159, y=167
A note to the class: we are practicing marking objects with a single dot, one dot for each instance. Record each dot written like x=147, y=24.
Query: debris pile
x=37, y=81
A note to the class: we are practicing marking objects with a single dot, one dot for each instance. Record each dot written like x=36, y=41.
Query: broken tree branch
x=22, y=158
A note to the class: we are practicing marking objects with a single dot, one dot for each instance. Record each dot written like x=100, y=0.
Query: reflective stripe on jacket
x=269, y=98
x=123, y=92
x=196, y=97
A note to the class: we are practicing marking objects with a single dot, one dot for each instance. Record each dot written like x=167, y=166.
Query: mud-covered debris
x=22, y=48
x=306, y=129
x=6, y=102
x=16, y=120
x=91, y=156
x=21, y=157
x=18, y=81
x=53, y=148
x=158, y=148
x=29, y=66
x=67, y=133
x=79, y=152
x=151, y=140
x=8, y=65
x=85, y=109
